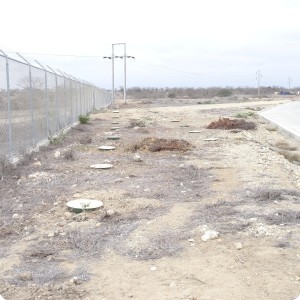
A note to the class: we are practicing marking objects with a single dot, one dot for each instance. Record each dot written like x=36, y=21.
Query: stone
x=137, y=157
x=110, y=212
x=210, y=235
x=75, y=280
x=37, y=163
x=52, y=234
x=16, y=216
x=153, y=268
x=57, y=154
x=191, y=240
x=25, y=276
x=68, y=215
x=238, y=245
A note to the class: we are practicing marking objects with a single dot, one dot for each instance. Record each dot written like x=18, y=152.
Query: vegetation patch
x=83, y=119
x=285, y=146
x=291, y=156
x=267, y=195
x=227, y=124
x=154, y=144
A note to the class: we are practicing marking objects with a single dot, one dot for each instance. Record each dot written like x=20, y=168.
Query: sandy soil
x=146, y=241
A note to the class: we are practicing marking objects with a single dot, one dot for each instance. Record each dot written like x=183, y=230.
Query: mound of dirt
x=154, y=144
x=227, y=124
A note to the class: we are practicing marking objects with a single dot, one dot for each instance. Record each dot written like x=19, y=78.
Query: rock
x=137, y=157
x=37, y=163
x=52, y=234
x=68, y=215
x=210, y=235
x=75, y=280
x=119, y=180
x=16, y=216
x=110, y=212
x=153, y=268
x=191, y=240
x=25, y=276
x=57, y=154
x=238, y=245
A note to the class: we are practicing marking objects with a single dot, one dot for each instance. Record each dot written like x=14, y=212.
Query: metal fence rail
x=38, y=102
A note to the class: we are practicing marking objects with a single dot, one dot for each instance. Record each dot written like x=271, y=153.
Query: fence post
x=47, y=99
x=65, y=96
x=10, y=145
x=76, y=96
x=30, y=100
x=56, y=99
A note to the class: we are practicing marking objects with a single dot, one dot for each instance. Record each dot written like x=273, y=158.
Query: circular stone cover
x=84, y=204
x=107, y=148
x=101, y=166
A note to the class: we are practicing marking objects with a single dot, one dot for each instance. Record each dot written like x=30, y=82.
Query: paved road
x=286, y=116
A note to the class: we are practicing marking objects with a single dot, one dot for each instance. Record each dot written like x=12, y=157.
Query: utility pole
x=258, y=77
x=289, y=81
x=113, y=57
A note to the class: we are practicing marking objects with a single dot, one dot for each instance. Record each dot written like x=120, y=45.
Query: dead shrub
x=271, y=128
x=137, y=123
x=284, y=217
x=267, y=195
x=164, y=244
x=227, y=124
x=154, y=144
x=69, y=154
x=284, y=145
x=39, y=273
x=85, y=140
x=290, y=155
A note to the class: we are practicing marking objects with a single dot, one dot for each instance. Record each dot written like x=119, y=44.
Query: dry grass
x=85, y=140
x=137, y=123
x=283, y=217
x=291, y=156
x=266, y=195
x=270, y=127
x=284, y=145
x=45, y=272
x=154, y=144
x=227, y=124
x=164, y=244
x=221, y=216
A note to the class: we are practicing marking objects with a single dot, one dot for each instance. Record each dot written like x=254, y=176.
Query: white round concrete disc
x=84, y=204
x=106, y=147
x=211, y=139
x=101, y=166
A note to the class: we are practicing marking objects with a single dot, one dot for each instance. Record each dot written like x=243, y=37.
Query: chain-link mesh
x=35, y=104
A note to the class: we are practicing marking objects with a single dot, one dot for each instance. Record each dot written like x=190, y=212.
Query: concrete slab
x=286, y=116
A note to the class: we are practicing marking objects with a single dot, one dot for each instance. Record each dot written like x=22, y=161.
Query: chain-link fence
x=36, y=103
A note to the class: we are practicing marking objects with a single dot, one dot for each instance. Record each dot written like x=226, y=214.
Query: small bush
x=245, y=115
x=224, y=93
x=171, y=95
x=83, y=119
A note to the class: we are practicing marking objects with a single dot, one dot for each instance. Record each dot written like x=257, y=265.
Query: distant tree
x=224, y=93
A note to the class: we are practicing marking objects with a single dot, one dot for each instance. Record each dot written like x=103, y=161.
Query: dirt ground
x=146, y=242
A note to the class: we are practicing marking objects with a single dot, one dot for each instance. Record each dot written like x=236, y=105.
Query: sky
x=191, y=43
